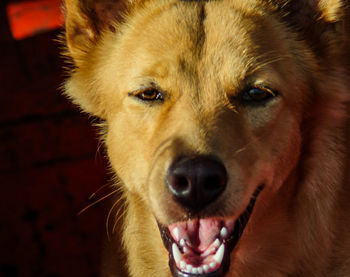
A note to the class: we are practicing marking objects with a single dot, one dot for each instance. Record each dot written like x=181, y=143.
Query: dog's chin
x=201, y=247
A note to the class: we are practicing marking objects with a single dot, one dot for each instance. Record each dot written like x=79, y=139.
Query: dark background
x=49, y=165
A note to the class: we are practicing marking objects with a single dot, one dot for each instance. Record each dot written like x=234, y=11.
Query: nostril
x=180, y=183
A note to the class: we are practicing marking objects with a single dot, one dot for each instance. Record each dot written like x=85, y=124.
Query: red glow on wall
x=33, y=17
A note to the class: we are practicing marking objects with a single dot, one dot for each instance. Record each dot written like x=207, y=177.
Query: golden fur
x=203, y=54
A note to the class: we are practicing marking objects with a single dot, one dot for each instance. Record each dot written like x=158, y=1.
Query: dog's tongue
x=199, y=234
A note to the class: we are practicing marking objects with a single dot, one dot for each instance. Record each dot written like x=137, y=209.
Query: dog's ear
x=319, y=22
x=85, y=20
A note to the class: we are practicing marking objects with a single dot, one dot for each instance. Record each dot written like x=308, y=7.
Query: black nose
x=196, y=182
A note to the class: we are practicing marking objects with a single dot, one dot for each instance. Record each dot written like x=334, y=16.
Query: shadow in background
x=49, y=166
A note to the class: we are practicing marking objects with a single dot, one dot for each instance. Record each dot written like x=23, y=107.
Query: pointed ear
x=319, y=22
x=85, y=22
x=86, y=19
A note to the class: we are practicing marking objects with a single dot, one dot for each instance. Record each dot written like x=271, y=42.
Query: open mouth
x=202, y=246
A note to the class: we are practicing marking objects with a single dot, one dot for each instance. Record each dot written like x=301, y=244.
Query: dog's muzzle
x=201, y=247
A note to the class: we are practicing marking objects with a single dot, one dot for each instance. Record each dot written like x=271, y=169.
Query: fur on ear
x=86, y=19
x=331, y=10
x=320, y=22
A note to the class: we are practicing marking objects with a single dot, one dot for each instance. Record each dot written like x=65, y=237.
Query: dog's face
x=207, y=115
x=204, y=104
x=195, y=85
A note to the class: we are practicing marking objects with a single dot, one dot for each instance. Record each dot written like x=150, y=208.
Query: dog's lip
x=224, y=244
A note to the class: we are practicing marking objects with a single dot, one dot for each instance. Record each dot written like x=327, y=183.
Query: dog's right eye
x=257, y=95
x=149, y=95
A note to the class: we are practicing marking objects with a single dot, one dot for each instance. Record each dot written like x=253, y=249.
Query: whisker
x=97, y=201
x=118, y=217
x=109, y=215
x=98, y=150
x=101, y=188
x=240, y=150
x=245, y=147
x=267, y=61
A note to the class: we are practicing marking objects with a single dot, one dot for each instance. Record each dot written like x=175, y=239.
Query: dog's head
x=205, y=104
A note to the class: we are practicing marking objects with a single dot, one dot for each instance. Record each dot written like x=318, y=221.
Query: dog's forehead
x=197, y=37
x=194, y=25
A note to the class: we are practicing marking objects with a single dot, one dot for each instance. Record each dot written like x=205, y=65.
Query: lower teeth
x=214, y=262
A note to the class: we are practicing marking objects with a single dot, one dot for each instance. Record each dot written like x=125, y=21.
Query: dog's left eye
x=257, y=94
x=149, y=95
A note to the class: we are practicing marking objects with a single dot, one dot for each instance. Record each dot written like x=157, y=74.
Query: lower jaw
x=219, y=271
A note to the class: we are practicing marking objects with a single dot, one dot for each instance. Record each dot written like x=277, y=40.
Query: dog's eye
x=150, y=95
x=257, y=94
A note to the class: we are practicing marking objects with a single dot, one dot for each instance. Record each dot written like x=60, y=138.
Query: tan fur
x=203, y=54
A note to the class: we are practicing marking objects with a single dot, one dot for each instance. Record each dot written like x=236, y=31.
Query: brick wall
x=49, y=166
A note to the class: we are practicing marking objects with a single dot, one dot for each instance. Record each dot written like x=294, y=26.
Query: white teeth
x=208, y=252
x=176, y=234
x=224, y=232
x=211, y=250
x=217, y=243
x=219, y=254
x=182, y=242
x=176, y=253
x=216, y=259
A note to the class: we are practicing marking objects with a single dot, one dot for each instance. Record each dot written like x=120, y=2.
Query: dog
x=225, y=122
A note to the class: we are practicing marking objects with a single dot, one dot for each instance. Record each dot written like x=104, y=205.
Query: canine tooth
x=205, y=268
x=176, y=253
x=194, y=270
x=176, y=233
x=182, y=265
x=212, y=265
x=219, y=254
x=182, y=242
x=200, y=270
x=189, y=268
x=185, y=249
x=223, y=232
x=217, y=243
